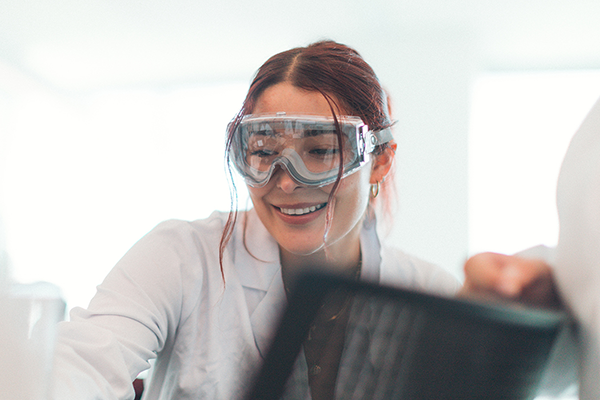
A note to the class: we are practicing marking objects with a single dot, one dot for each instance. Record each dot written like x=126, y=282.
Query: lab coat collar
x=259, y=268
x=256, y=253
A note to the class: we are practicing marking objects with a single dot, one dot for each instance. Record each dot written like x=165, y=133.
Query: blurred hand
x=498, y=276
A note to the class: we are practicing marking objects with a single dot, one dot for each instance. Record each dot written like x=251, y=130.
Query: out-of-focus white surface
x=84, y=181
x=521, y=126
x=28, y=318
x=82, y=45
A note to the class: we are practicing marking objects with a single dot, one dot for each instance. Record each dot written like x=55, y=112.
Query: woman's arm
x=101, y=350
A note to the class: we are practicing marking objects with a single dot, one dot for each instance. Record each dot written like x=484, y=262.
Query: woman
x=202, y=297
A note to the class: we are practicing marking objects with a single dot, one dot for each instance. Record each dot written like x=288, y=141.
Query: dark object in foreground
x=402, y=344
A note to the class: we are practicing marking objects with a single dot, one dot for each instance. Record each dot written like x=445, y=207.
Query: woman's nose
x=284, y=180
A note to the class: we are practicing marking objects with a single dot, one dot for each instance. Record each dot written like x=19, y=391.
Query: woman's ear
x=382, y=163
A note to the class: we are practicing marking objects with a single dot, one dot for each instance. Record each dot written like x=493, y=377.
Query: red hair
x=346, y=81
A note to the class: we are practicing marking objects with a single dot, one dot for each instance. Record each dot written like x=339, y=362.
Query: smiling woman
x=203, y=297
x=302, y=233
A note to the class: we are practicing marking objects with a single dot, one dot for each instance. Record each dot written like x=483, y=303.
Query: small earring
x=375, y=189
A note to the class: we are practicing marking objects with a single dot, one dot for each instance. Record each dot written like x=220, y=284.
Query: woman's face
x=294, y=214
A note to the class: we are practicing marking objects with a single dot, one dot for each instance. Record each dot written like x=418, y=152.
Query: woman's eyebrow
x=317, y=132
x=263, y=132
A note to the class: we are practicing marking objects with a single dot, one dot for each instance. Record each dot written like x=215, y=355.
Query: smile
x=302, y=211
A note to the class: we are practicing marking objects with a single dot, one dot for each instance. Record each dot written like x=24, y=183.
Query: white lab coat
x=166, y=299
x=576, y=264
x=577, y=254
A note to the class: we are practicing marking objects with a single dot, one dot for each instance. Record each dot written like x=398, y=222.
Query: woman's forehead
x=285, y=97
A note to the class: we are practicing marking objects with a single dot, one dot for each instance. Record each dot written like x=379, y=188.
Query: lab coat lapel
x=267, y=314
x=259, y=269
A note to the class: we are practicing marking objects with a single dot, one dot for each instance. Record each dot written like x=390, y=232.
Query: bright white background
x=86, y=177
x=521, y=125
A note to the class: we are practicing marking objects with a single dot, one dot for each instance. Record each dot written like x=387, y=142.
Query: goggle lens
x=309, y=147
x=318, y=149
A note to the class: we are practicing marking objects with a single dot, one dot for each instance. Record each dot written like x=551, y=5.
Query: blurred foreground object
x=401, y=344
x=29, y=314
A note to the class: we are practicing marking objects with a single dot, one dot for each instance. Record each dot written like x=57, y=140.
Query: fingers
x=524, y=280
x=484, y=272
x=512, y=279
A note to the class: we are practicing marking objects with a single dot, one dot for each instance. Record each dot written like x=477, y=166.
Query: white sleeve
x=560, y=378
x=102, y=349
x=577, y=258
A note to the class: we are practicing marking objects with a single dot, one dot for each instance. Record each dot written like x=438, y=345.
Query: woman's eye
x=263, y=153
x=324, y=151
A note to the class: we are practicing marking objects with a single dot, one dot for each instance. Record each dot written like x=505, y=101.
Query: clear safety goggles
x=307, y=146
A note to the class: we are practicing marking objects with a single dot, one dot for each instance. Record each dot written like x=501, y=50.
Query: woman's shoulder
x=180, y=242
x=207, y=228
x=176, y=256
x=216, y=219
x=403, y=269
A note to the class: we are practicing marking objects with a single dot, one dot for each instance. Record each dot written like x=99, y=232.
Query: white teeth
x=301, y=211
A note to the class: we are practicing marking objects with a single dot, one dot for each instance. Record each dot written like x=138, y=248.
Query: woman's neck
x=335, y=259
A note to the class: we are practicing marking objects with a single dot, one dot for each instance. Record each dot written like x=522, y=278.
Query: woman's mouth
x=301, y=211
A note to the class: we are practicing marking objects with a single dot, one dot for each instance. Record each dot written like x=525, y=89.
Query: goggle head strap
x=369, y=140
